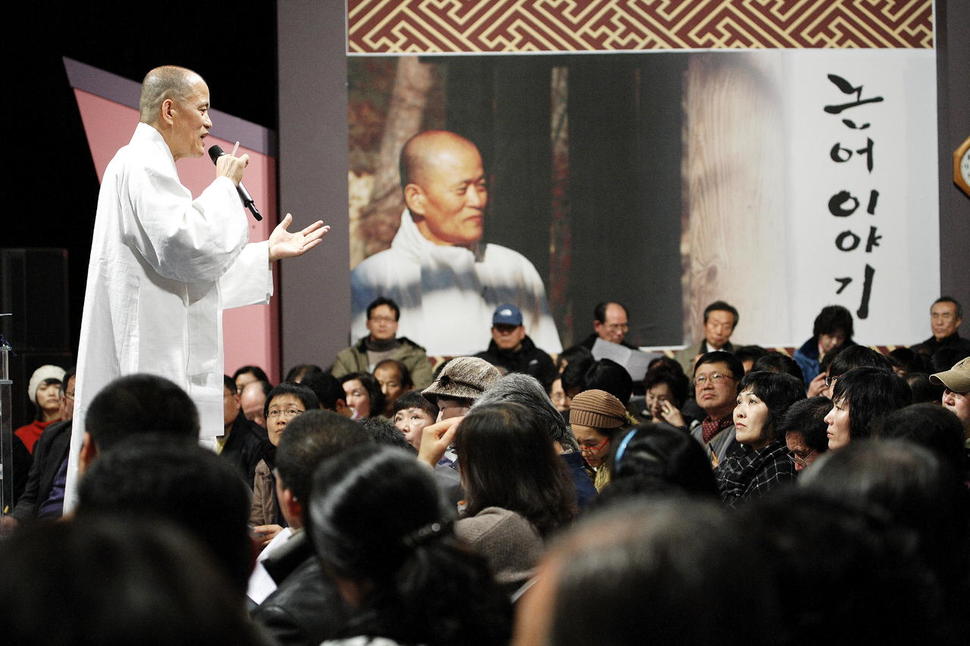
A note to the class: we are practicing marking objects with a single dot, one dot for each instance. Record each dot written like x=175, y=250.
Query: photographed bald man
x=164, y=265
x=446, y=281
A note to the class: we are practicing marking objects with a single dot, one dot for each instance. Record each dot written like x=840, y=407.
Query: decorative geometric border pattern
x=460, y=26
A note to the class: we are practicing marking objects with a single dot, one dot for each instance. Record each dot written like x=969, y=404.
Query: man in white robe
x=163, y=266
x=445, y=280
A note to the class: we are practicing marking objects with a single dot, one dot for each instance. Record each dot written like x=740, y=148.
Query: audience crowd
x=731, y=495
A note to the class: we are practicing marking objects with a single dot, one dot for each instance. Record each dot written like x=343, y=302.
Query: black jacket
x=49, y=453
x=245, y=447
x=528, y=359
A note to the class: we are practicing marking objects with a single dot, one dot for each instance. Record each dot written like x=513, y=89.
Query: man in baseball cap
x=956, y=397
x=511, y=349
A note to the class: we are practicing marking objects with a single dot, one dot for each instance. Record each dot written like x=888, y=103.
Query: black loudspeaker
x=33, y=288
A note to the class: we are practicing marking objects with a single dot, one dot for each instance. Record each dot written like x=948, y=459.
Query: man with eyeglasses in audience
x=716, y=378
x=611, y=322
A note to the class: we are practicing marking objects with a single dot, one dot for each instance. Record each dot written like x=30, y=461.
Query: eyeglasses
x=800, y=460
x=289, y=413
x=715, y=378
x=593, y=448
x=383, y=319
x=830, y=381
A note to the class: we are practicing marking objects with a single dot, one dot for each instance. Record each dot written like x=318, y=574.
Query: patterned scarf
x=711, y=427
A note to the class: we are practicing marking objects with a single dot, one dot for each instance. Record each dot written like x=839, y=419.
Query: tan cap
x=463, y=378
x=956, y=378
x=597, y=409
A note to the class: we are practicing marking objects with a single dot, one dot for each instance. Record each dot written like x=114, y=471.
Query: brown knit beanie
x=597, y=409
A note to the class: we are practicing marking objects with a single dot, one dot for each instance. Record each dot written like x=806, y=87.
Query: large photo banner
x=778, y=179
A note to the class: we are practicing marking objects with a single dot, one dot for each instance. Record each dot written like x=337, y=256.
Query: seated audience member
x=610, y=323
x=284, y=403
x=44, y=391
x=516, y=488
x=252, y=400
x=379, y=527
x=657, y=459
x=382, y=431
x=134, y=405
x=946, y=357
x=596, y=418
x=804, y=428
x=716, y=378
x=704, y=581
x=860, y=399
x=777, y=362
x=820, y=385
x=573, y=376
x=956, y=397
x=557, y=391
x=748, y=354
x=841, y=571
x=856, y=356
x=43, y=492
x=924, y=390
x=299, y=372
x=412, y=413
x=247, y=375
x=759, y=462
x=720, y=319
x=526, y=390
x=117, y=580
x=240, y=443
x=512, y=350
x=930, y=426
x=329, y=392
x=305, y=607
x=609, y=376
x=381, y=343
x=908, y=482
x=832, y=329
x=394, y=380
x=946, y=315
x=150, y=477
x=666, y=394
x=362, y=394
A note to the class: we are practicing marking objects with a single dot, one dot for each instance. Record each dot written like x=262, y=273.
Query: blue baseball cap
x=507, y=314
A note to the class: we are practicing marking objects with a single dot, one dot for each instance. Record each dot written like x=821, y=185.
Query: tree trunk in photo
x=734, y=241
x=382, y=217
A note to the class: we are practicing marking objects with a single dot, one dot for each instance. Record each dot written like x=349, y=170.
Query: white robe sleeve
x=249, y=280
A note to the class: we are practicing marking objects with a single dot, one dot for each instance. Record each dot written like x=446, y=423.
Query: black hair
x=380, y=300
x=778, y=362
x=326, y=387
x=149, y=476
x=507, y=460
x=871, y=393
x=137, y=404
x=574, y=374
x=661, y=452
x=947, y=357
x=750, y=353
x=666, y=363
x=923, y=389
x=256, y=371
x=807, y=417
x=599, y=311
x=778, y=391
x=376, y=515
x=383, y=431
x=229, y=384
x=609, y=376
x=110, y=579
x=858, y=356
x=931, y=426
x=720, y=356
x=950, y=299
x=678, y=383
x=301, y=371
x=415, y=399
x=722, y=306
x=908, y=360
x=39, y=414
x=301, y=392
x=373, y=388
x=526, y=390
x=406, y=381
x=571, y=354
x=822, y=547
x=310, y=439
x=833, y=319
x=682, y=555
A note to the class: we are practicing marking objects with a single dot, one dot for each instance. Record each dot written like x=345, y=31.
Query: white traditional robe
x=163, y=267
x=447, y=295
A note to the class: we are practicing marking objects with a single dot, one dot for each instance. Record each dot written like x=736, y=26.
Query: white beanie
x=41, y=375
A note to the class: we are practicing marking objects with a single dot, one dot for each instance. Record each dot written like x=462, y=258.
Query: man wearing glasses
x=716, y=377
x=610, y=323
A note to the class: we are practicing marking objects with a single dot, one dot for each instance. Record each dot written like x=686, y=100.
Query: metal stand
x=6, y=430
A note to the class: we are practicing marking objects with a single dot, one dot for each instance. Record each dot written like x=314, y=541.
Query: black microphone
x=215, y=152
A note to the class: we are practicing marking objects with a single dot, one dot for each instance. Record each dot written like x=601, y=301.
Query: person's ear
x=89, y=451
x=414, y=198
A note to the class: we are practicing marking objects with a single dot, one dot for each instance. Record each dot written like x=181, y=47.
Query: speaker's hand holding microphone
x=228, y=165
